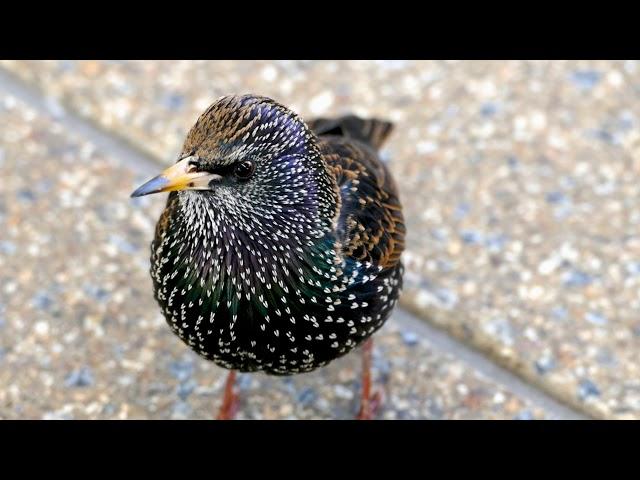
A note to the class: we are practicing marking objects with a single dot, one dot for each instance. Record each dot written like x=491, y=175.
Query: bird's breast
x=283, y=310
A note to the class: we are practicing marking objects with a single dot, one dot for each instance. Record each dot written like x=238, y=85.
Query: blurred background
x=519, y=181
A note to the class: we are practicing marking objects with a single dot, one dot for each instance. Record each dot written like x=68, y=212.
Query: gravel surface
x=82, y=337
x=519, y=180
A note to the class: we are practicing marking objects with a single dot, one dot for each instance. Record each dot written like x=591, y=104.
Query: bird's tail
x=371, y=130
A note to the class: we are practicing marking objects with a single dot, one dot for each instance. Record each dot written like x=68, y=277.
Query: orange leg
x=231, y=399
x=369, y=403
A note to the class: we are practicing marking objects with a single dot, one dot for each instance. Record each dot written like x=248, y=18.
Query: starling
x=279, y=247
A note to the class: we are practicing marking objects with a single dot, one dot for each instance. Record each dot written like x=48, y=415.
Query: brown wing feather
x=371, y=224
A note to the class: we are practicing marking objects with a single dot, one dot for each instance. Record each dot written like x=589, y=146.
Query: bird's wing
x=372, y=131
x=370, y=225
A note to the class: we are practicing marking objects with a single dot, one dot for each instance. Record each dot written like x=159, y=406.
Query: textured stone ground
x=82, y=337
x=519, y=180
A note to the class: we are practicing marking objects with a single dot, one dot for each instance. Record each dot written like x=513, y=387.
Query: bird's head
x=251, y=161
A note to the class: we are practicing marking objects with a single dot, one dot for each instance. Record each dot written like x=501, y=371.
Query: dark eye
x=244, y=170
x=194, y=166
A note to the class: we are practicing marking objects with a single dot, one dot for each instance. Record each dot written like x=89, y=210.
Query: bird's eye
x=194, y=166
x=244, y=170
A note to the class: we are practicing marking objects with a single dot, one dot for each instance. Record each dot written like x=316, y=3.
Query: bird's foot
x=370, y=407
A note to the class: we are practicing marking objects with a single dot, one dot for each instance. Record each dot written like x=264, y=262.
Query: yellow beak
x=181, y=176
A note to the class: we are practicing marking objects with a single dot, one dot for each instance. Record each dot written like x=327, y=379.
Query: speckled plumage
x=293, y=267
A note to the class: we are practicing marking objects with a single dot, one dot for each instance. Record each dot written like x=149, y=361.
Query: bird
x=279, y=248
